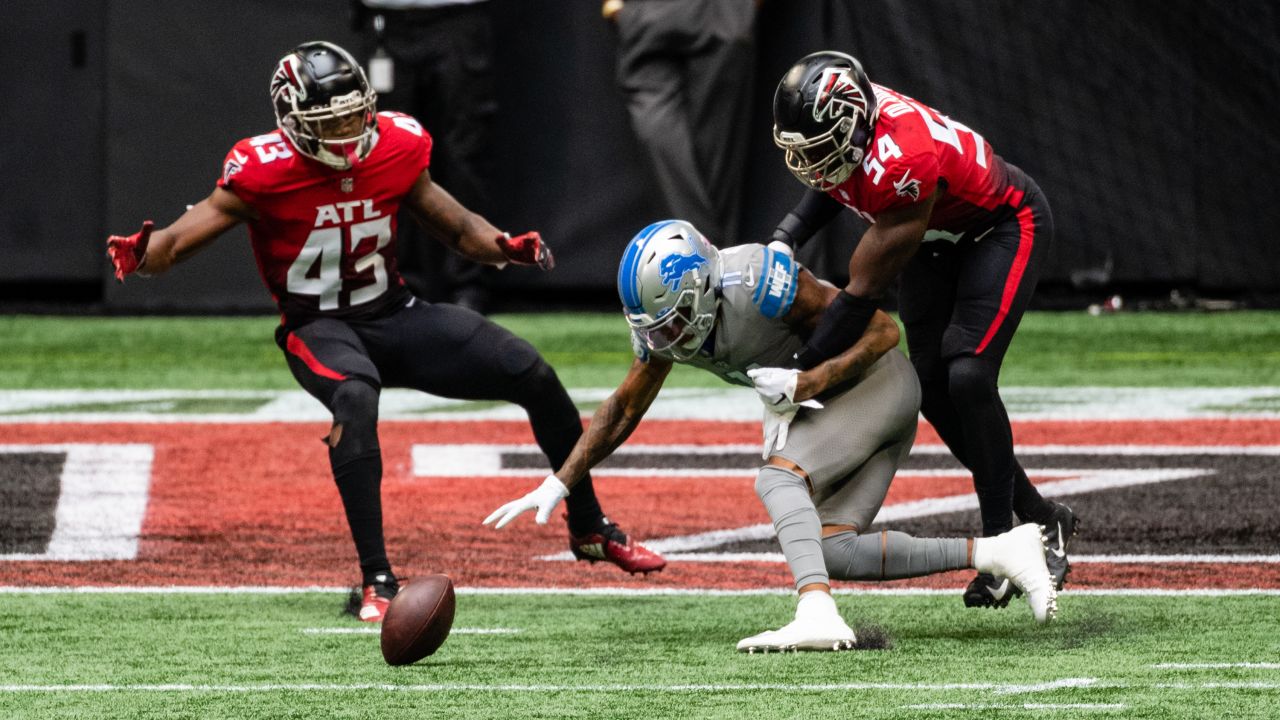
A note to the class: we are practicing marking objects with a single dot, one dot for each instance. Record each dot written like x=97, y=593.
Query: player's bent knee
x=971, y=380
x=773, y=478
x=355, y=418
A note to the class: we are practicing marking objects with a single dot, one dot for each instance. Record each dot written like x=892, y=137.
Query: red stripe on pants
x=1026, y=240
x=300, y=350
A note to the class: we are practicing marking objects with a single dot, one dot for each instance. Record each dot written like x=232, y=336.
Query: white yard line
x=768, y=557
x=1088, y=707
x=995, y=688
x=514, y=688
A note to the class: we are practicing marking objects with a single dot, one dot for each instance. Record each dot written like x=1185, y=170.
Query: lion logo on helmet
x=673, y=268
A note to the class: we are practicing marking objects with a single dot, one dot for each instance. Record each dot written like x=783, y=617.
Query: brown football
x=418, y=619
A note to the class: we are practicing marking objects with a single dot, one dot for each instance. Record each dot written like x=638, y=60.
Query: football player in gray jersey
x=834, y=435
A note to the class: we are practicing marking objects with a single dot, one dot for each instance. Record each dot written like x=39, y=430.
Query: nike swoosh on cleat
x=1061, y=550
x=998, y=591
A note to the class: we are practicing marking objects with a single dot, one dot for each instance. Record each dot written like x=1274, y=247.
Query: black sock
x=585, y=515
x=359, y=481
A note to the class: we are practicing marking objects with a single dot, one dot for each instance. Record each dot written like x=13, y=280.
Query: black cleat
x=1059, y=528
x=986, y=590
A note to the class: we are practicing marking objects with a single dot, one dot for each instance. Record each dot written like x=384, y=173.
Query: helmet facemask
x=339, y=135
x=681, y=330
x=824, y=161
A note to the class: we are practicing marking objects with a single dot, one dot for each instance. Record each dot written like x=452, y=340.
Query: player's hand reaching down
x=126, y=251
x=544, y=499
x=527, y=249
x=777, y=390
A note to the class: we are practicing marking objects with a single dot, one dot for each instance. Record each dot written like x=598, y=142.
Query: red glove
x=526, y=249
x=126, y=253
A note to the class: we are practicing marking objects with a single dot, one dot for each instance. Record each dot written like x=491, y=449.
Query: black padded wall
x=1149, y=125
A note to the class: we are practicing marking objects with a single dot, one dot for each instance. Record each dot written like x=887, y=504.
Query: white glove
x=775, y=431
x=544, y=499
x=777, y=390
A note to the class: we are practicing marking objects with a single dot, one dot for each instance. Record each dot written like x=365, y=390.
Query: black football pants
x=961, y=304
x=442, y=349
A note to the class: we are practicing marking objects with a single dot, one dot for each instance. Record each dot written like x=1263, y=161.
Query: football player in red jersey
x=967, y=232
x=320, y=196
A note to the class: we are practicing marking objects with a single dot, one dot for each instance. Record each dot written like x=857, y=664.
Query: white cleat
x=1020, y=556
x=818, y=626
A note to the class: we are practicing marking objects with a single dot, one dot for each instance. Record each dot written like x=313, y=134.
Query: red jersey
x=324, y=239
x=916, y=149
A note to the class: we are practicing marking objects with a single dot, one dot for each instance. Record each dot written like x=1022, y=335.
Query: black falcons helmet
x=315, y=88
x=824, y=115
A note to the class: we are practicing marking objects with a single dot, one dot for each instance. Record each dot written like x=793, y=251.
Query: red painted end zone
x=255, y=505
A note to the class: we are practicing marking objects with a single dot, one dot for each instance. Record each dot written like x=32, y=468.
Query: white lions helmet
x=669, y=282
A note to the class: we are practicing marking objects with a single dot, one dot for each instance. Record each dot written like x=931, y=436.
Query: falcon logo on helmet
x=285, y=85
x=838, y=96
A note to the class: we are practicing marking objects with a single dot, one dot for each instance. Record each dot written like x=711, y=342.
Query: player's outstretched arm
x=470, y=233
x=612, y=423
x=149, y=252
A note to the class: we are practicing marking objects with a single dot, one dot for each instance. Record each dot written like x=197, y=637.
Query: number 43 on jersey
x=342, y=228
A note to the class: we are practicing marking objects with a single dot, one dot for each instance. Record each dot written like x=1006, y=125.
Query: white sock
x=982, y=552
x=816, y=603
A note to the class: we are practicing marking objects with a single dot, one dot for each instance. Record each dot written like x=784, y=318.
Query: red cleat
x=611, y=545
x=376, y=598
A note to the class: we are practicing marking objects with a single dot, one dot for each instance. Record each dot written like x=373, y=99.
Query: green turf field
x=593, y=350
x=167, y=655
x=584, y=656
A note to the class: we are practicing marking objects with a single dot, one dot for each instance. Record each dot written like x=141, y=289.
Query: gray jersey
x=758, y=286
x=850, y=448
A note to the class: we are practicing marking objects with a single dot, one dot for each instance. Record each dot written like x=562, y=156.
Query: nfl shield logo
x=348, y=184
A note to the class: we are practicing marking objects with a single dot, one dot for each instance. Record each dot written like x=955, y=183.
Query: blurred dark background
x=1150, y=125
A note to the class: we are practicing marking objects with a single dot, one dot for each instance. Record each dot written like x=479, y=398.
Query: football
x=418, y=619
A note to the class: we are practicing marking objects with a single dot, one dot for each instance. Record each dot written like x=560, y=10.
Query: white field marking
x=771, y=557
x=765, y=557
x=1217, y=666
x=516, y=688
x=1097, y=707
x=1047, y=686
x=378, y=631
x=485, y=460
x=601, y=591
x=721, y=403
x=995, y=688
x=1080, y=481
x=101, y=502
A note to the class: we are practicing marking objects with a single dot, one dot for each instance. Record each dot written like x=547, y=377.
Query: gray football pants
x=851, y=449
